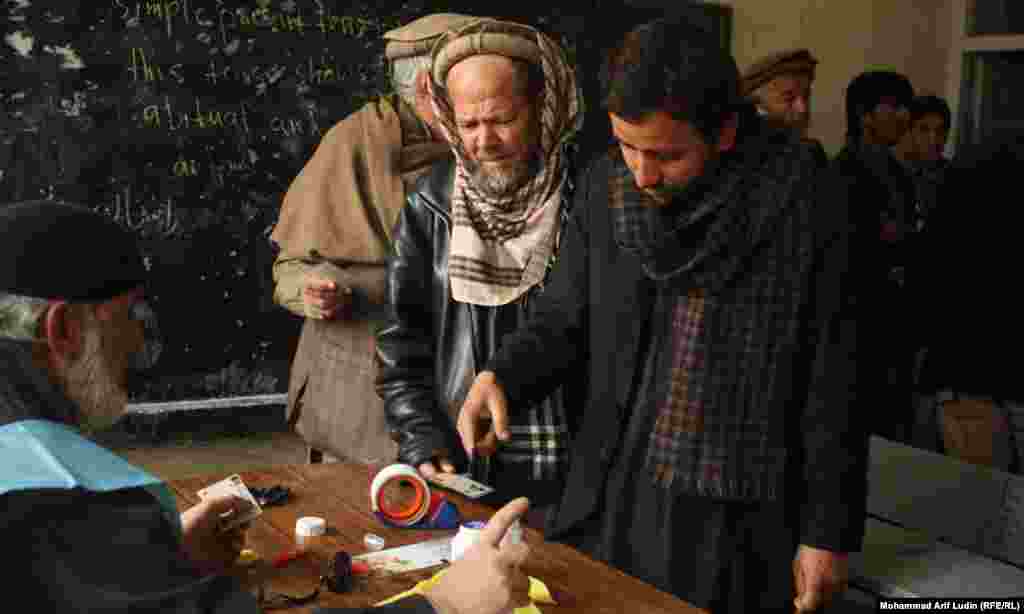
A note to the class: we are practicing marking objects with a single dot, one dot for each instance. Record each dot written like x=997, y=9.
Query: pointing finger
x=499, y=523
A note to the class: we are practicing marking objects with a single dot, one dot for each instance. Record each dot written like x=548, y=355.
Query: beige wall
x=848, y=37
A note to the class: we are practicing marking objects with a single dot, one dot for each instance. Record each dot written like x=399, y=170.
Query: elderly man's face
x=97, y=380
x=787, y=99
x=496, y=122
x=665, y=154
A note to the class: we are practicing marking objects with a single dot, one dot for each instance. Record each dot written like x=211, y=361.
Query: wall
x=848, y=37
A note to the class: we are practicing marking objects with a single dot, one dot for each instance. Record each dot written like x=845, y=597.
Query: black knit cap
x=61, y=251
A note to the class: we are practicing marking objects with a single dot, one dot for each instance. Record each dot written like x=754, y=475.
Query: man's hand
x=439, y=463
x=483, y=419
x=204, y=541
x=487, y=579
x=324, y=300
x=820, y=575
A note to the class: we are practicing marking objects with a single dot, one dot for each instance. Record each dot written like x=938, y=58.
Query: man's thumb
x=805, y=602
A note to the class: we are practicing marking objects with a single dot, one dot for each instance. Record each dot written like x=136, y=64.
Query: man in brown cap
x=779, y=85
x=335, y=233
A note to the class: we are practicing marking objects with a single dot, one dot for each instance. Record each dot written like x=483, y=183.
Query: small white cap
x=310, y=526
x=373, y=542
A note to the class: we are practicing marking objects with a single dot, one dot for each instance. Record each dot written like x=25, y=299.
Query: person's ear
x=423, y=84
x=62, y=332
x=727, y=137
x=424, y=105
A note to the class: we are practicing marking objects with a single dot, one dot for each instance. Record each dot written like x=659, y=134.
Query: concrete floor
x=183, y=456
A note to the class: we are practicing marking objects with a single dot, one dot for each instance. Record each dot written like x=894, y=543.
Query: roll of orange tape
x=389, y=494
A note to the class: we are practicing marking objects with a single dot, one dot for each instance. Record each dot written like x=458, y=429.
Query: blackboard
x=186, y=120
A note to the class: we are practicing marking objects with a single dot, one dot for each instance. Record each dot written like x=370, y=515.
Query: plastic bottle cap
x=373, y=542
x=310, y=526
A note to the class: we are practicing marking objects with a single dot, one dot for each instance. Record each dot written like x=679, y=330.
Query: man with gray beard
x=473, y=248
x=85, y=530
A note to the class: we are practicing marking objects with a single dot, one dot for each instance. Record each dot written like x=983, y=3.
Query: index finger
x=466, y=426
x=499, y=420
x=499, y=523
x=321, y=283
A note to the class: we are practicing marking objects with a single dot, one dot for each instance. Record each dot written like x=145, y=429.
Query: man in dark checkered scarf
x=704, y=285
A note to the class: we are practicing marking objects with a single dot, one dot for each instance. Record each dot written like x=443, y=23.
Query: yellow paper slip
x=539, y=593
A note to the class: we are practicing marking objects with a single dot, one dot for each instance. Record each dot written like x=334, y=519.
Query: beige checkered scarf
x=500, y=248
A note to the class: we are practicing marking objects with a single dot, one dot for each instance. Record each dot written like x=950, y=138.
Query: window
x=990, y=66
x=992, y=101
x=995, y=17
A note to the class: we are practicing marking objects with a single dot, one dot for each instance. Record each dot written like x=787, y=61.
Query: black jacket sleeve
x=115, y=553
x=835, y=442
x=77, y=551
x=532, y=362
x=406, y=343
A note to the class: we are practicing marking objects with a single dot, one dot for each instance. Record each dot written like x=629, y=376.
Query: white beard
x=502, y=182
x=92, y=384
x=499, y=183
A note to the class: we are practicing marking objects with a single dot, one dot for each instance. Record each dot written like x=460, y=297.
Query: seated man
x=88, y=531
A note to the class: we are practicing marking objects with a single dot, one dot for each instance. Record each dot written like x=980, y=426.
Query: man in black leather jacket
x=474, y=244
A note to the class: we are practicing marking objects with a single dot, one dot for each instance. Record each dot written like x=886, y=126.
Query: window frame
x=963, y=44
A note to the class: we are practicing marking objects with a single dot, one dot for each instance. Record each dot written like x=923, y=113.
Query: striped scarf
x=731, y=252
x=501, y=247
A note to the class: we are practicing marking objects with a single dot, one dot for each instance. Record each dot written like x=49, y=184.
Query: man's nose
x=801, y=105
x=487, y=139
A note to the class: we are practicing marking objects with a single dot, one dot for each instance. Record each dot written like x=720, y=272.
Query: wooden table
x=339, y=492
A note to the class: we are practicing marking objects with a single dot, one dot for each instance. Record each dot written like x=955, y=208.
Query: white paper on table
x=409, y=558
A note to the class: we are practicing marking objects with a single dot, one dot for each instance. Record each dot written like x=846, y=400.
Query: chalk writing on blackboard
x=146, y=219
x=185, y=121
x=143, y=69
x=173, y=117
x=167, y=13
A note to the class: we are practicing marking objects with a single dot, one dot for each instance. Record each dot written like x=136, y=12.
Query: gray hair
x=403, y=75
x=21, y=316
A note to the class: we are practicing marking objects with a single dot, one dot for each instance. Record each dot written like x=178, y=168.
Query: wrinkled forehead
x=134, y=295
x=656, y=132
x=125, y=302
x=486, y=76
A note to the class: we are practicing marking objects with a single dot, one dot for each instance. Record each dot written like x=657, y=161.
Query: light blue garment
x=41, y=454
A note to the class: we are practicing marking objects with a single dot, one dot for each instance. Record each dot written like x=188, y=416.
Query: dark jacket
x=594, y=317
x=963, y=280
x=881, y=192
x=432, y=347
x=116, y=551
